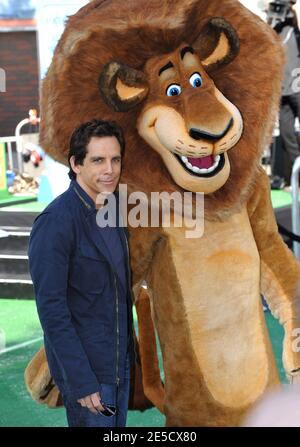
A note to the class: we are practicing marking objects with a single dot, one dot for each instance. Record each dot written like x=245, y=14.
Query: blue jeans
x=110, y=394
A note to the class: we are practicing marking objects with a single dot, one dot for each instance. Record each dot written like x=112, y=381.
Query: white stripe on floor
x=20, y=345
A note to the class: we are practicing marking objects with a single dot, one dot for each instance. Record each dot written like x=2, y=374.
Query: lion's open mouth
x=202, y=166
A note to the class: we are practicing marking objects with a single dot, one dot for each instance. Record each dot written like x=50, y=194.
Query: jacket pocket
x=90, y=272
x=90, y=252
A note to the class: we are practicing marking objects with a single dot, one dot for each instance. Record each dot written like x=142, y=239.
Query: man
x=290, y=101
x=81, y=277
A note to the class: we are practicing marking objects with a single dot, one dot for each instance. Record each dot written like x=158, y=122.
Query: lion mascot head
x=194, y=84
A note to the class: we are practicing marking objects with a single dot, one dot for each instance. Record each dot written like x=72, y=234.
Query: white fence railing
x=14, y=148
x=10, y=144
x=18, y=141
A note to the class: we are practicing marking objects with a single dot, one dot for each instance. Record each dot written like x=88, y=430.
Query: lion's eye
x=196, y=80
x=173, y=90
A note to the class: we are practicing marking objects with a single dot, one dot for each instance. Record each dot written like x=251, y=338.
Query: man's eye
x=173, y=90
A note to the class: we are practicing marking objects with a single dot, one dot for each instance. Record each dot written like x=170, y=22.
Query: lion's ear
x=218, y=44
x=122, y=87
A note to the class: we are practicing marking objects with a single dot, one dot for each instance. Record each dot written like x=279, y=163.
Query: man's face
x=101, y=168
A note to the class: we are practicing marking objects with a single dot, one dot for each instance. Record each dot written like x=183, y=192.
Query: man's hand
x=92, y=402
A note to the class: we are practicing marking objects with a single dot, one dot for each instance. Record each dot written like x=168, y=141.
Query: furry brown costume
x=118, y=60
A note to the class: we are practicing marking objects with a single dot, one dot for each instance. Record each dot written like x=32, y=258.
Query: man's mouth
x=203, y=166
x=107, y=181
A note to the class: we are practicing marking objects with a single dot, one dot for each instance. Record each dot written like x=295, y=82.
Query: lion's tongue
x=202, y=163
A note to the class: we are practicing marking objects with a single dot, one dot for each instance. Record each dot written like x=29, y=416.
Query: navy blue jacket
x=79, y=295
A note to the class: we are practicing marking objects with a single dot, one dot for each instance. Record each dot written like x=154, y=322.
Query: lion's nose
x=198, y=134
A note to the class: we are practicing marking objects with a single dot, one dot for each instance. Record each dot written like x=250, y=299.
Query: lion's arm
x=143, y=243
x=280, y=270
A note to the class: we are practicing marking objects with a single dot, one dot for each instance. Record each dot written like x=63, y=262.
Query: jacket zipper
x=129, y=285
x=127, y=252
x=118, y=331
x=117, y=301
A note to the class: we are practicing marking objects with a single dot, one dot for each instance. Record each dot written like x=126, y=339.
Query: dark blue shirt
x=112, y=238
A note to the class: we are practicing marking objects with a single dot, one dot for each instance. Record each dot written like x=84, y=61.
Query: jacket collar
x=85, y=199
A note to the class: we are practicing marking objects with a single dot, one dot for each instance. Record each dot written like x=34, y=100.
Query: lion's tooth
x=210, y=169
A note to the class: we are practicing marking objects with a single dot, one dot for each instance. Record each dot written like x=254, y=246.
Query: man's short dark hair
x=83, y=134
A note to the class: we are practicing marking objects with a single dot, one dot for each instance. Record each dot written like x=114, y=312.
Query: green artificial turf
x=19, y=324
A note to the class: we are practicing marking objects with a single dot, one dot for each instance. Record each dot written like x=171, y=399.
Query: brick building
x=19, y=59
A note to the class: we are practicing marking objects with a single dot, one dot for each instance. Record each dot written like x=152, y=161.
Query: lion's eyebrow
x=165, y=67
x=186, y=50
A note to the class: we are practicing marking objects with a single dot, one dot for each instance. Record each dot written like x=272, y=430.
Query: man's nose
x=108, y=167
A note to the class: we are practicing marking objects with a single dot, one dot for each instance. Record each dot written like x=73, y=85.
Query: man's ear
x=218, y=43
x=73, y=165
x=122, y=87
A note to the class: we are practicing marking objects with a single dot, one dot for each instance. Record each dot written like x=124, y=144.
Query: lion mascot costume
x=195, y=85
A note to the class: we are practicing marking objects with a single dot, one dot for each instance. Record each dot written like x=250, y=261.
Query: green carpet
x=281, y=198
x=33, y=207
x=7, y=199
x=19, y=324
